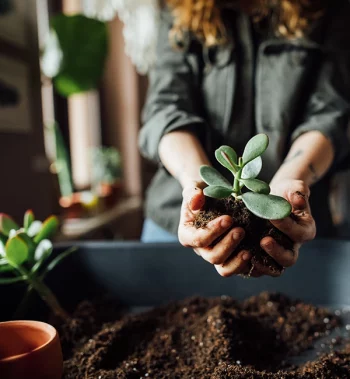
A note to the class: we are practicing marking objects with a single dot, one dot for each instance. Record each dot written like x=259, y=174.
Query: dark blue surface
x=151, y=274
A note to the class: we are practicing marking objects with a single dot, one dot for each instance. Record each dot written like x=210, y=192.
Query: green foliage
x=266, y=206
x=62, y=162
x=28, y=219
x=227, y=157
x=25, y=254
x=78, y=47
x=7, y=224
x=245, y=171
x=106, y=165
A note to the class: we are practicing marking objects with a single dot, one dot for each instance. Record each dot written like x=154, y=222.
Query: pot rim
x=49, y=329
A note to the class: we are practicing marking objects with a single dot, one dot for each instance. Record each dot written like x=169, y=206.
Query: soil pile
x=202, y=338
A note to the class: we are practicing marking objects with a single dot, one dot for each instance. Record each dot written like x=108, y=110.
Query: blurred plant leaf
x=16, y=251
x=28, y=219
x=34, y=228
x=84, y=46
x=7, y=224
x=48, y=229
x=62, y=162
x=12, y=280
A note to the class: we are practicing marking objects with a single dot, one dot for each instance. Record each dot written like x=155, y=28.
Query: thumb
x=299, y=200
x=194, y=197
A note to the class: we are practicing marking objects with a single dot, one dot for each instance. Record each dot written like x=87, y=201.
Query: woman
x=227, y=70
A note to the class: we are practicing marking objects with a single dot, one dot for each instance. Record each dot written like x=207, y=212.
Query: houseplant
x=247, y=200
x=30, y=348
x=106, y=173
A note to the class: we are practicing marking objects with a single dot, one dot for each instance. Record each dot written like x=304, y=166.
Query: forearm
x=309, y=158
x=182, y=155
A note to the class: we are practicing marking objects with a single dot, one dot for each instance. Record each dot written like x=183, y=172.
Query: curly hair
x=289, y=18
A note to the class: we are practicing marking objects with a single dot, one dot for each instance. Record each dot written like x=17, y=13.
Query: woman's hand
x=201, y=240
x=300, y=227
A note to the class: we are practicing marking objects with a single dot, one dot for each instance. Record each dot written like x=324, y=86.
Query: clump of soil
x=255, y=229
x=208, y=338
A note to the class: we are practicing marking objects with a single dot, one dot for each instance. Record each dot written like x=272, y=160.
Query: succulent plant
x=256, y=195
x=25, y=255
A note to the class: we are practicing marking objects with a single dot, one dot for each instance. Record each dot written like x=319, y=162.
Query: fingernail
x=268, y=246
x=226, y=223
x=246, y=256
x=237, y=236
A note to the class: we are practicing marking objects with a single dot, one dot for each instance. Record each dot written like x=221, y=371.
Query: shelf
x=74, y=229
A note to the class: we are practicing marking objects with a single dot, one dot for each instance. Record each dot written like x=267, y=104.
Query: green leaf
x=269, y=207
x=12, y=280
x=83, y=44
x=255, y=147
x=58, y=260
x=16, y=251
x=62, y=162
x=252, y=169
x=30, y=243
x=217, y=192
x=3, y=239
x=213, y=177
x=256, y=185
x=44, y=250
x=48, y=229
x=7, y=224
x=28, y=219
x=4, y=266
x=227, y=157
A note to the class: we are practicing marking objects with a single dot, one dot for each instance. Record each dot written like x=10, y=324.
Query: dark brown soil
x=205, y=338
x=255, y=229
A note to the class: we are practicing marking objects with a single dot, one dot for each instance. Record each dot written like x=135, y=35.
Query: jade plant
x=254, y=193
x=25, y=256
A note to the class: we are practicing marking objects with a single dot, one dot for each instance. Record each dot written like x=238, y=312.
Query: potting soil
x=202, y=338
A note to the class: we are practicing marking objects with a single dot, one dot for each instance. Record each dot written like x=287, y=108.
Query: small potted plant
x=107, y=173
x=30, y=349
x=247, y=199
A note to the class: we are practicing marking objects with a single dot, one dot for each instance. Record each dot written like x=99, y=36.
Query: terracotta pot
x=29, y=349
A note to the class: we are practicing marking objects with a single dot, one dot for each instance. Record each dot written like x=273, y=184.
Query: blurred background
x=72, y=86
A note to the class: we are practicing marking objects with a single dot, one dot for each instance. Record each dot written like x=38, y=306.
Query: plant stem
x=45, y=293
x=236, y=186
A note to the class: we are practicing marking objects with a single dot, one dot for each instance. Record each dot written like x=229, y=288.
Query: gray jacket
x=226, y=95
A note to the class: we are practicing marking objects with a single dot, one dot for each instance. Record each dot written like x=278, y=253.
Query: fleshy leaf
x=269, y=207
x=43, y=250
x=48, y=229
x=28, y=219
x=7, y=224
x=4, y=265
x=256, y=185
x=31, y=245
x=217, y=192
x=252, y=169
x=255, y=147
x=16, y=251
x=213, y=177
x=227, y=157
x=12, y=280
x=34, y=228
